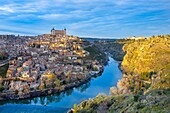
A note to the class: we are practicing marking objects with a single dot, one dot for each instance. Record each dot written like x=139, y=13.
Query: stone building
x=60, y=33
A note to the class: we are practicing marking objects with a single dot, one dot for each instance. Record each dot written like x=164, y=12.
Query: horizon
x=101, y=19
x=91, y=37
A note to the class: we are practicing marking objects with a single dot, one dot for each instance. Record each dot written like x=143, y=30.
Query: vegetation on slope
x=113, y=47
x=153, y=102
x=95, y=53
x=145, y=86
x=150, y=55
x=149, y=59
x=3, y=56
x=3, y=70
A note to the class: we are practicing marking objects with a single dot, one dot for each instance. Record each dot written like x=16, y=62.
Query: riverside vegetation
x=145, y=86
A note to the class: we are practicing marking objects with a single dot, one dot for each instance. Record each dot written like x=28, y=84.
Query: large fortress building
x=59, y=33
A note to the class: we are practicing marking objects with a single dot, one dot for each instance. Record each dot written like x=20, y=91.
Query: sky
x=86, y=18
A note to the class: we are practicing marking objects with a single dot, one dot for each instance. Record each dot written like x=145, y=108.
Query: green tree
x=75, y=108
x=16, y=92
x=1, y=87
x=95, y=69
x=57, y=82
x=45, y=86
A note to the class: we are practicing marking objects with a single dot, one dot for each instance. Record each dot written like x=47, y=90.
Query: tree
x=51, y=76
x=45, y=86
x=16, y=92
x=41, y=87
x=57, y=82
x=95, y=68
x=75, y=108
x=1, y=87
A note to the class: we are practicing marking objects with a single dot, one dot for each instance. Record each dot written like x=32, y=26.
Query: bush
x=1, y=87
x=83, y=104
x=3, y=70
x=75, y=108
x=136, y=98
x=95, y=69
x=57, y=82
x=16, y=92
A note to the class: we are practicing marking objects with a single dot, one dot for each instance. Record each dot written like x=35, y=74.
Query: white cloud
x=83, y=17
x=6, y=9
x=121, y=2
x=76, y=14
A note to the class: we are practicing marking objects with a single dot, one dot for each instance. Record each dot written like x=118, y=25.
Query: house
x=19, y=69
x=27, y=63
x=33, y=53
x=34, y=85
x=25, y=74
x=20, y=58
x=78, y=68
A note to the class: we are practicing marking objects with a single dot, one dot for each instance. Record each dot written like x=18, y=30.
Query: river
x=60, y=103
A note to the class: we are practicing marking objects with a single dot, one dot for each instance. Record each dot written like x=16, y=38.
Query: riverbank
x=49, y=91
x=156, y=101
x=66, y=99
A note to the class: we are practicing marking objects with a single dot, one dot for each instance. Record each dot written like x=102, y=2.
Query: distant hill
x=97, y=39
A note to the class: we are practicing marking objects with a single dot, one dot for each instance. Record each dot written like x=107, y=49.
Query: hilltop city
x=45, y=64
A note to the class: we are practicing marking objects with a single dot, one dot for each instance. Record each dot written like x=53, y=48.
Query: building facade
x=58, y=32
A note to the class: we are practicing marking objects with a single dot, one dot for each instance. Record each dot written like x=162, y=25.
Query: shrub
x=57, y=82
x=1, y=87
x=136, y=98
x=95, y=69
x=75, y=108
x=16, y=92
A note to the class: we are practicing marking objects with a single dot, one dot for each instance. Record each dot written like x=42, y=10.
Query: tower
x=65, y=31
x=53, y=31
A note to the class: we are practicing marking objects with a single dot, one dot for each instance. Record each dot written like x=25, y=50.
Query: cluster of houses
x=48, y=60
x=14, y=45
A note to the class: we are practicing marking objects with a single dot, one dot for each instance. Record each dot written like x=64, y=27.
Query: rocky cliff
x=145, y=86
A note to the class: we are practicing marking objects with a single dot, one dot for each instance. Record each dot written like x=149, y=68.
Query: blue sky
x=89, y=18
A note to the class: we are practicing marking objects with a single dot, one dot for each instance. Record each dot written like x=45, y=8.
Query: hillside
x=113, y=47
x=149, y=59
x=153, y=102
x=145, y=86
x=149, y=55
x=95, y=53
